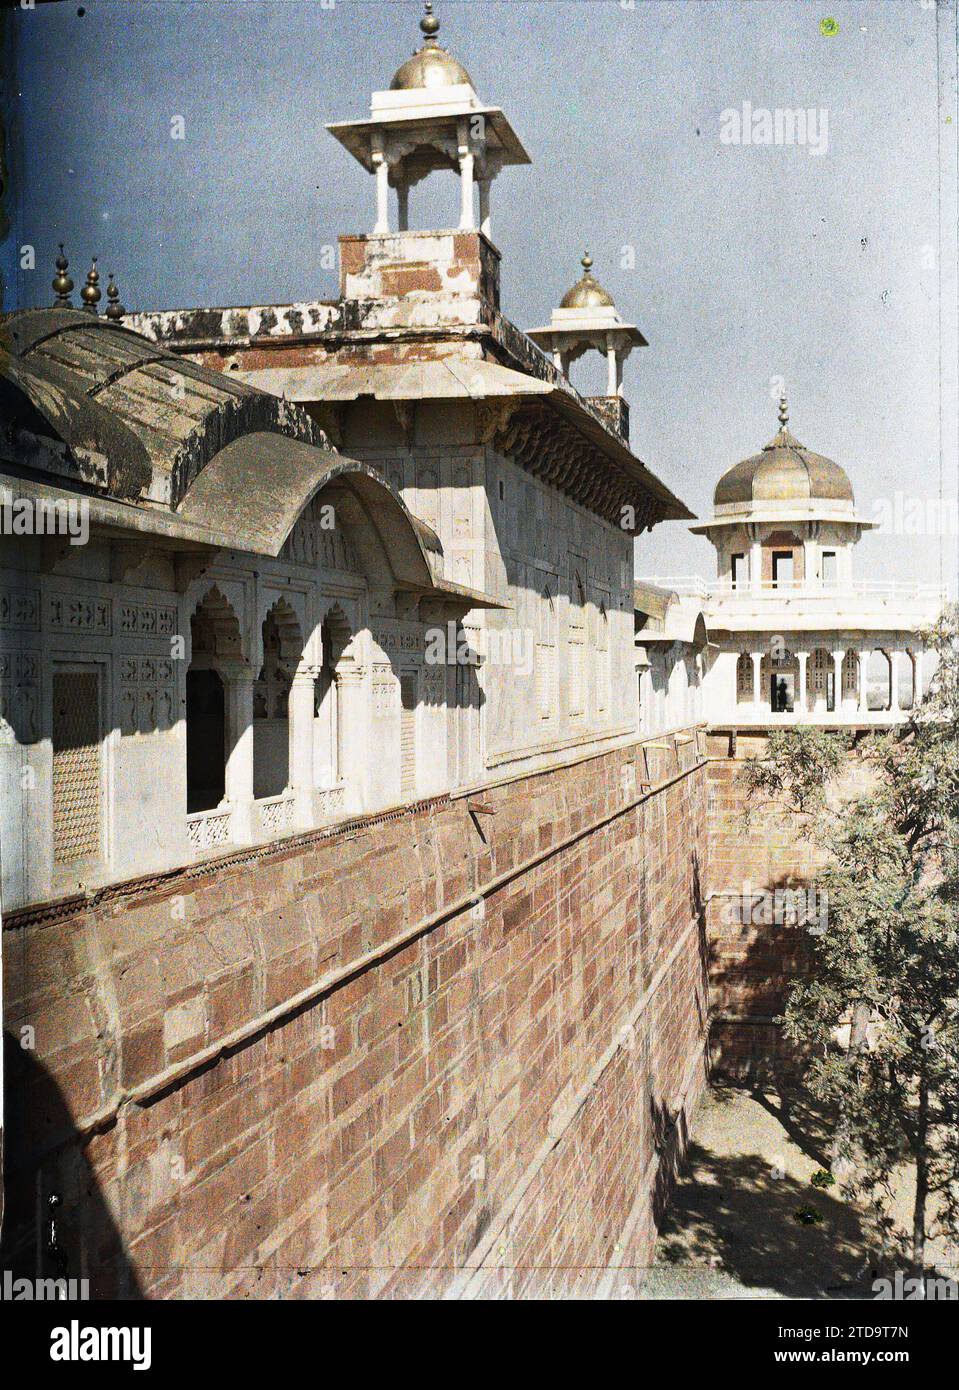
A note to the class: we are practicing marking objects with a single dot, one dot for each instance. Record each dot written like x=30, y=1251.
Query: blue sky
x=740, y=263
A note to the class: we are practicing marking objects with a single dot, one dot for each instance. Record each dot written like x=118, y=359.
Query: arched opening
x=577, y=647
x=603, y=662
x=744, y=679
x=878, y=681
x=782, y=560
x=215, y=636
x=282, y=646
x=821, y=681
x=329, y=731
x=205, y=741
x=545, y=661
x=780, y=681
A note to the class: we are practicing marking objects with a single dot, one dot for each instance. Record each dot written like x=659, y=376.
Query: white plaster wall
x=671, y=689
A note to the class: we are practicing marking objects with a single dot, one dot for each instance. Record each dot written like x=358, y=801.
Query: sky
x=829, y=265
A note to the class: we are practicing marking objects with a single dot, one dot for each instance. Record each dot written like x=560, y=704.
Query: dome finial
x=90, y=294
x=587, y=293
x=783, y=409
x=115, y=309
x=62, y=282
x=429, y=23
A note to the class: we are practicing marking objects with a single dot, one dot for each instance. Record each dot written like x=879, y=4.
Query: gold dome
x=785, y=471
x=431, y=66
x=587, y=293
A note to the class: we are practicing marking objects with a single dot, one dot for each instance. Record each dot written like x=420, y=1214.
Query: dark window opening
x=205, y=741
x=782, y=694
x=782, y=567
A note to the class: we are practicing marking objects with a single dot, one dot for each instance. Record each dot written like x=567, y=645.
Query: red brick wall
x=751, y=964
x=316, y=1069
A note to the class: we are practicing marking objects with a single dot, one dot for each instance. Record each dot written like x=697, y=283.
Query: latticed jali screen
x=76, y=766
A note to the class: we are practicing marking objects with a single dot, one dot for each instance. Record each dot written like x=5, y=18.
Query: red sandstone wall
x=751, y=965
x=316, y=1070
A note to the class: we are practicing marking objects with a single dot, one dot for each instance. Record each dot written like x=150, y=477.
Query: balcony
x=892, y=589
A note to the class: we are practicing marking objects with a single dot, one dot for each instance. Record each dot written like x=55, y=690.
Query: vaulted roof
x=130, y=425
x=136, y=419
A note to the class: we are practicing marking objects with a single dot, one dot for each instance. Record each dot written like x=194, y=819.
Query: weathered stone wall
x=451, y=1048
x=751, y=963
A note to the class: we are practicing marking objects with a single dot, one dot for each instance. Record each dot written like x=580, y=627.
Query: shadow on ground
x=731, y=1230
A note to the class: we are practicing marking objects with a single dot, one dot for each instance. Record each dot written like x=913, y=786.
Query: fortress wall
x=437, y=1050
x=752, y=963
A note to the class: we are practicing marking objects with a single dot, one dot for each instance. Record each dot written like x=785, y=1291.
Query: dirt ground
x=731, y=1229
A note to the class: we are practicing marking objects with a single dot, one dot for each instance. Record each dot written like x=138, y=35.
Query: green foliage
x=879, y=1011
x=807, y=1216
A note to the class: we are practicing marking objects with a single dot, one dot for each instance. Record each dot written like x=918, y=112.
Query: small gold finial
x=114, y=309
x=783, y=410
x=429, y=24
x=62, y=282
x=90, y=294
x=587, y=262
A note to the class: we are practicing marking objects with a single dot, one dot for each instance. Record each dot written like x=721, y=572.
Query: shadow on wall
x=735, y=1215
x=44, y=1157
x=671, y=1128
x=758, y=946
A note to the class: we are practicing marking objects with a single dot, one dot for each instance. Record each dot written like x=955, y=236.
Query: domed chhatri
x=431, y=66
x=587, y=293
x=431, y=119
x=585, y=320
x=785, y=471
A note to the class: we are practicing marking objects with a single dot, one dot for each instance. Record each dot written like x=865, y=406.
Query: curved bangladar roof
x=785, y=471
x=136, y=425
x=139, y=420
x=668, y=617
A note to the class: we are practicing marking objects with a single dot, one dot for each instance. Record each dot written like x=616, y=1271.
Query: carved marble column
x=403, y=206
x=238, y=779
x=302, y=774
x=465, y=154
x=351, y=730
x=378, y=156
x=894, y=660
x=485, y=224
x=863, y=665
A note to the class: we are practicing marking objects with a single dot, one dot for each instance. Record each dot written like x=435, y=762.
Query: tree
x=878, y=1012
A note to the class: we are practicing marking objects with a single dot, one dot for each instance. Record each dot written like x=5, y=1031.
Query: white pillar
x=802, y=699
x=863, y=663
x=382, y=192
x=894, y=681
x=301, y=775
x=403, y=206
x=612, y=371
x=351, y=731
x=238, y=779
x=758, y=694
x=485, y=224
x=467, y=221
x=755, y=565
